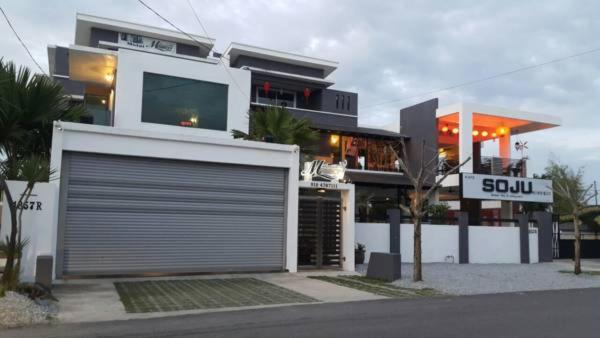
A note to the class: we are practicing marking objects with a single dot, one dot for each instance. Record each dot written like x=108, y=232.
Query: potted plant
x=359, y=253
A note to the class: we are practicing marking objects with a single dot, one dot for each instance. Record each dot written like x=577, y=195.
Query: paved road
x=566, y=313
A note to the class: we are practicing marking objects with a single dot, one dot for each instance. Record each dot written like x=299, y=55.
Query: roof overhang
x=236, y=49
x=85, y=23
x=290, y=76
x=92, y=65
x=491, y=117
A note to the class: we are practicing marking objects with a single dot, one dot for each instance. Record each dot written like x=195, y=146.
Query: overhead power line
x=199, y=43
x=20, y=40
x=487, y=78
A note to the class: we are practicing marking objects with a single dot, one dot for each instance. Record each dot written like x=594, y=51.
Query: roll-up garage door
x=134, y=215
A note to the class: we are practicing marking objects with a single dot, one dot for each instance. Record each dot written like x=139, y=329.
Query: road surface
x=566, y=313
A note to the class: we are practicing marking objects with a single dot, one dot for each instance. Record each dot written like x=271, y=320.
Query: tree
x=29, y=104
x=420, y=177
x=277, y=125
x=568, y=185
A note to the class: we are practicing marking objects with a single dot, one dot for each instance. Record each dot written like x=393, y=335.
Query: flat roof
x=85, y=22
x=236, y=49
x=518, y=121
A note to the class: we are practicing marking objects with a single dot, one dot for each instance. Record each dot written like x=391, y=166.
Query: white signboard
x=146, y=42
x=321, y=169
x=506, y=188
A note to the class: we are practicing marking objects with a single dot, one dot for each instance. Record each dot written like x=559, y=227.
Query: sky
x=391, y=50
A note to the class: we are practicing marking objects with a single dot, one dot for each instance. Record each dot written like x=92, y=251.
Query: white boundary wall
x=440, y=243
x=37, y=227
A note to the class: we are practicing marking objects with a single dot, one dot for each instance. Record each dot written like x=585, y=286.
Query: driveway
x=566, y=313
x=98, y=300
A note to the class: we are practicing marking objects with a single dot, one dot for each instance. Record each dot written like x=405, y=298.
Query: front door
x=319, y=229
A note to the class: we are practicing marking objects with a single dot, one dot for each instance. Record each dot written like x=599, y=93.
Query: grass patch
x=191, y=294
x=589, y=273
x=377, y=286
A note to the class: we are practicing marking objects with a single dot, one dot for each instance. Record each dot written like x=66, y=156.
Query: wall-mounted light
x=454, y=130
x=103, y=101
x=484, y=133
x=475, y=132
x=334, y=139
x=502, y=131
x=109, y=77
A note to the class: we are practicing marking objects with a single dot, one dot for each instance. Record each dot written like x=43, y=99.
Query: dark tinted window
x=184, y=102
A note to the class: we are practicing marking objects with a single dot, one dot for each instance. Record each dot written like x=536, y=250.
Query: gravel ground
x=470, y=279
x=17, y=310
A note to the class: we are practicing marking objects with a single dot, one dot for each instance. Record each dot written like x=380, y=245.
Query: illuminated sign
x=321, y=169
x=147, y=43
x=506, y=188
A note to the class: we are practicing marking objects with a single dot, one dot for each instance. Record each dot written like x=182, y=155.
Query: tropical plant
x=29, y=104
x=420, y=175
x=277, y=125
x=437, y=212
x=573, y=197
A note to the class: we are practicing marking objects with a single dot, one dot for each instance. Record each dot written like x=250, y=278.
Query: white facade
x=129, y=90
x=116, y=141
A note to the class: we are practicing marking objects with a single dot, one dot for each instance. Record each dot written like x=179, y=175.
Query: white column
x=348, y=236
x=292, y=214
x=465, y=139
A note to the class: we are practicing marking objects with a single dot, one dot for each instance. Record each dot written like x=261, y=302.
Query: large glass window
x=184, y=102
x=96, y=110
x=276, y=97
x=373, y=201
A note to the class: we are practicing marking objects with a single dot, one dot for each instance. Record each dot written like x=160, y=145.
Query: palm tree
x=29, y=104
x=277, y=125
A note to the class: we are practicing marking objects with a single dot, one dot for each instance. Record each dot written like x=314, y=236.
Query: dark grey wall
x=190, y=50
x=337, y=101
x=61, y=61
x=419, y=123
x=324, y=119
x=99, y=34
x=249, y=61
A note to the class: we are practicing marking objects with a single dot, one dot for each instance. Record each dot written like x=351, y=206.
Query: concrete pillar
x=524, y=237
x=465, y=139
x=463, y=238
x=394, y=217
x=544, y=225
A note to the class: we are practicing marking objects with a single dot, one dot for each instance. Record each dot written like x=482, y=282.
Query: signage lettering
x=29, y=205
x=506, y=188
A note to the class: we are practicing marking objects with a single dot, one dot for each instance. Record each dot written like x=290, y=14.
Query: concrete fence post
x=395, y=220
x=463, y=237
x=523, y=220
x=544, y=223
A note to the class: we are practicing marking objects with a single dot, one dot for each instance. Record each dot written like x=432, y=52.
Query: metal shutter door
x=134, y=215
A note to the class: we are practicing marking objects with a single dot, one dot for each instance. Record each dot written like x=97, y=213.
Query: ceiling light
x=494, y=135
x=455, y=131
x=445, y=129
x=502, y=131
x=484, y=133
x=475, y=132
x=321, y=191
x=334, y=139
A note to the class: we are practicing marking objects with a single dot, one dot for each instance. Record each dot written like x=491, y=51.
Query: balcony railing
x=491, y=165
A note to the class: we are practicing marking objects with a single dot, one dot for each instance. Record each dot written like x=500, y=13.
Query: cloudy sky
x=392, y=50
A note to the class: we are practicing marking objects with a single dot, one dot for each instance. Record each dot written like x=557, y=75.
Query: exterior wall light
x=109, y=77
x=502, y=131
x=455, y=131
x=334, y=139
x=484, y=133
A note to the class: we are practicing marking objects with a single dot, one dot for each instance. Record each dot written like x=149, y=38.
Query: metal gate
x=133, y=215
x=319, y=231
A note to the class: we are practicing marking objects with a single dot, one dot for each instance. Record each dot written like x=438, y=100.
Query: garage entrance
x=319, y=229
x=124, y=215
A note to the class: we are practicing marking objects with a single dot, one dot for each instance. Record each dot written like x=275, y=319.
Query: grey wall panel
x=99, y=34
x=127, y=215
